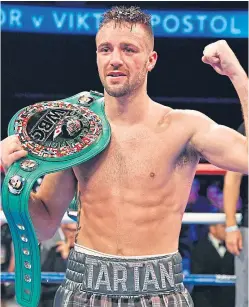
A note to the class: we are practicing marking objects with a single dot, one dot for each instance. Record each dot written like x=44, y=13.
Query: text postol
x=54, y=20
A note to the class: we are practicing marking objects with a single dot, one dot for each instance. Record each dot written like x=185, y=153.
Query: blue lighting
x=85, y=21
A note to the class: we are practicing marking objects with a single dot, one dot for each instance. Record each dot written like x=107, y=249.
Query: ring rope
x=188, y=218
x=192, y=279
x=209, y=169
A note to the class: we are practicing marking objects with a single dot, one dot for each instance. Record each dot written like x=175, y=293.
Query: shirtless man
x=133, y=195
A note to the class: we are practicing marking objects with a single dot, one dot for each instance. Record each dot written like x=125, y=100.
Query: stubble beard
x=127, y=88
x=118, y=91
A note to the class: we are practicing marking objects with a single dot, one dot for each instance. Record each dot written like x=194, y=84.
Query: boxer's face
x=124, y=57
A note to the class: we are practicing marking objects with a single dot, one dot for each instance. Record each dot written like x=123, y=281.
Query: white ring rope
x=188, y=218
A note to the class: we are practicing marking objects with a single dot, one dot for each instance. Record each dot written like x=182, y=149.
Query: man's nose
x=116, y=59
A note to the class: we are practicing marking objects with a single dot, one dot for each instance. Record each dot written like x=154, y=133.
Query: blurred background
x=48, y=53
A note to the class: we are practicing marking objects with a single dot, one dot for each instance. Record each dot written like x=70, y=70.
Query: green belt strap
x=57, y=135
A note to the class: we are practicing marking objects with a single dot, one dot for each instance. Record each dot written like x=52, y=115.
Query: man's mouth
x=116, y=74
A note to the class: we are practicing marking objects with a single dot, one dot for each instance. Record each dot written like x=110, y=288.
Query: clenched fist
x=11, y=150
x=223, y=60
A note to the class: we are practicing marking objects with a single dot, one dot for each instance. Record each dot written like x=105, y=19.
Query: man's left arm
x=220, y=145
x=223, y=60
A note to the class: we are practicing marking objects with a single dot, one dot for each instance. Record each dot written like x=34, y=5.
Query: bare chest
x=134, y=157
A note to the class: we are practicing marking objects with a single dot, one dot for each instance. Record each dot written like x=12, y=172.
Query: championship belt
x=57, y=135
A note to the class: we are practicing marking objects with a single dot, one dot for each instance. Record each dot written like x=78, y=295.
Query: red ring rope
x=209, y=169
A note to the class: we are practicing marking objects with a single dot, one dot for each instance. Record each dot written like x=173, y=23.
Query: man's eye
x=129, y=50
x=105, y=49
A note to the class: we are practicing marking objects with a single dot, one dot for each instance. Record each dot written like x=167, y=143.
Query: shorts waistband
x=124, y=276
x=89, y=251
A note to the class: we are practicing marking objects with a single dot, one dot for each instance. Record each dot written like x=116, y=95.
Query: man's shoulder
x=189, y=113
x=183, y=117
x=186, y=115
x=159, y=106
x=178, y=112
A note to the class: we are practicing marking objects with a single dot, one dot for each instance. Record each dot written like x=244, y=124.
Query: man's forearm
x=240, y=83
x=51, y=201
x=40, y=218
x=231, y=196
x=230, y=202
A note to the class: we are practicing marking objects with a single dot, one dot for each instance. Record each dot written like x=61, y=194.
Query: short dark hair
x=131, y=15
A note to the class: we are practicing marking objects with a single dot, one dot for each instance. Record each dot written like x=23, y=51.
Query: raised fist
x=221, y=57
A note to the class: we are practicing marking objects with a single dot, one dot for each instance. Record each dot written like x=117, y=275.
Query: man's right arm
x=48, y=205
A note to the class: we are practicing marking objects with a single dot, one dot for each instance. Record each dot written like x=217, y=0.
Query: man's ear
x=152, y=60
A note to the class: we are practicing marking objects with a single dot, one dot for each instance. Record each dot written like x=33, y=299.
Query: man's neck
x=129, y=109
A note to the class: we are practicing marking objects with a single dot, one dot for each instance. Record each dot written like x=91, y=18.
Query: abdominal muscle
x=131, y=222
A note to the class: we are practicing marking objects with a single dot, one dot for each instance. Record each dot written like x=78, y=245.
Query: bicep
x=221, y=145
x=56, y=192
